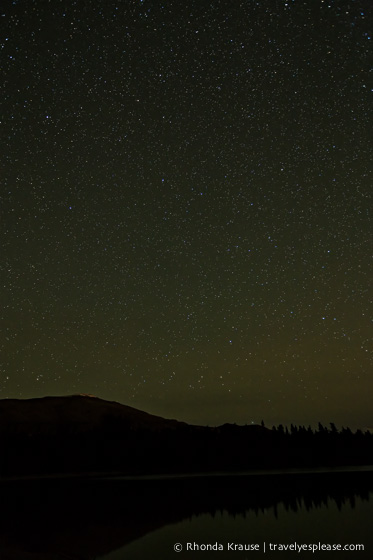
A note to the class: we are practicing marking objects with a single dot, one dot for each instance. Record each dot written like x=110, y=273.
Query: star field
x=186, y=202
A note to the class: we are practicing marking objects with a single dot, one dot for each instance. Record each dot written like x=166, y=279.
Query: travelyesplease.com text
x=266, y=547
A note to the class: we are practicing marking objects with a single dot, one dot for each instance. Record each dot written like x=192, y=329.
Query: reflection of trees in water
x=241, y=495
x=89, y=518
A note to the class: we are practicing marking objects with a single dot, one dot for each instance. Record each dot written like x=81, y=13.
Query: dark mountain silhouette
x=81, y=434
x=82, y=413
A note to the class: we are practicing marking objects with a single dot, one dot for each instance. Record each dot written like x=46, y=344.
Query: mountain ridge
x=81, y=434
x=81, y=409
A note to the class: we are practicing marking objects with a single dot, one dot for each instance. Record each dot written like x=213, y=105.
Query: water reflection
x=90, y=519
x=319, y=524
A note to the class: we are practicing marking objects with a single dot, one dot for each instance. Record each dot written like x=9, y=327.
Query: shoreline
x=255, y=473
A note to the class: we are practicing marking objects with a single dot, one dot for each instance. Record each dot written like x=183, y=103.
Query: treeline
x=301, y=446
x=117, y=447
x=322, y=431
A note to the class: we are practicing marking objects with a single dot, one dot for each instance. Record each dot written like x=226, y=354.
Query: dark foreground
x=86, y=518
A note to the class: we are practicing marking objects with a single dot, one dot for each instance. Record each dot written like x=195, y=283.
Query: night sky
x=186, y=196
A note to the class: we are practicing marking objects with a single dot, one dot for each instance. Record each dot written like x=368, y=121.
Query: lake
x=207, y=516
x=325, y=524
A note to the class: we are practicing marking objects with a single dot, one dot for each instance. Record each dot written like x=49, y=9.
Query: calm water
x=327, y=524
x=123, y=518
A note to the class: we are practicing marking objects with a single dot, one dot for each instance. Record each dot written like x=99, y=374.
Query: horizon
x=314, y=424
